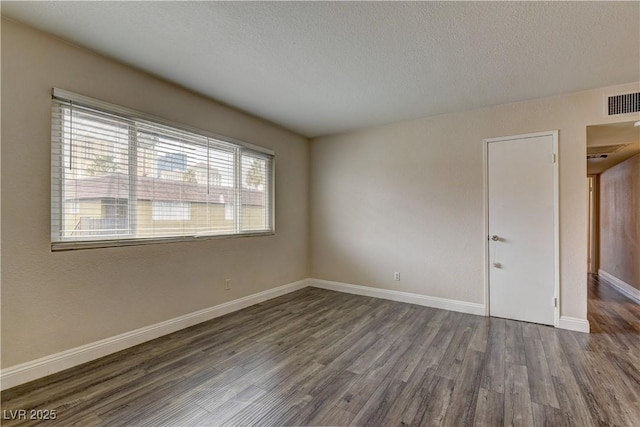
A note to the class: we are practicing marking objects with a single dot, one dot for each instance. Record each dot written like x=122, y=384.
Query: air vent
x=623, y=104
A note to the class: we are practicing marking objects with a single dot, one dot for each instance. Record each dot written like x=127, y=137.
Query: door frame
x=556, y=216
x=593, y=223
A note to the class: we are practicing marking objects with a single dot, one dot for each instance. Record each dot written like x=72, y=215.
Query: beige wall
x=408, y=197
x=620, y=221
x=56, y=301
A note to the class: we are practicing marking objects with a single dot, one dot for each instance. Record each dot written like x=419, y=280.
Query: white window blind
x=122, y=177
x=168, y=210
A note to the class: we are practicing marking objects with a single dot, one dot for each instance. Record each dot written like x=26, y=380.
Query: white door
x=522, y=230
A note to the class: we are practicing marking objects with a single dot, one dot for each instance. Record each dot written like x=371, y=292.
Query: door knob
x=495, y=238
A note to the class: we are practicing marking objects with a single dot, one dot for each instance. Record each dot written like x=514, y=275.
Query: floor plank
x=518, y=409
x=490, y=409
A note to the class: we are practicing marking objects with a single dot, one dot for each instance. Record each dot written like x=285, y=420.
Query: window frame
x=57, y=201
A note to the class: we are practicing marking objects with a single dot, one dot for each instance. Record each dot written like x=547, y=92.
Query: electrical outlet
x=227, y=284
x=396, y=276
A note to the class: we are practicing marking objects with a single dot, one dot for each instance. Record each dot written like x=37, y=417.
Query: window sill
x=99, y=244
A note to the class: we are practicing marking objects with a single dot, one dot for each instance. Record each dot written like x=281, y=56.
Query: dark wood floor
x=316, y=357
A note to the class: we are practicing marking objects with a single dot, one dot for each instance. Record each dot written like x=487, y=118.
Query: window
x=228, y=212
x=121, y=177
x=169, y=210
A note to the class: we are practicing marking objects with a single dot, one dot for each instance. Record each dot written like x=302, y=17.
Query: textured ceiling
x=327, y=67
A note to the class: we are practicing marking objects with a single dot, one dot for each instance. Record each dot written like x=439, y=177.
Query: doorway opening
x=613, y=232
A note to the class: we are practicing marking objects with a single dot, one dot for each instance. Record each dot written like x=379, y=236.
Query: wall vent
x=623, y=104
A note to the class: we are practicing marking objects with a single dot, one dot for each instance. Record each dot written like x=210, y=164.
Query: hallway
x=611, y=312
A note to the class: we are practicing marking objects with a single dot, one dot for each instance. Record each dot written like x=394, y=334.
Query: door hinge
x=555, y=302
x=553, y=158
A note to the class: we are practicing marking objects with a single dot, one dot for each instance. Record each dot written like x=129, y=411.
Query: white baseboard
x=620, y=285
x=48, y=365
x=427, y=301
x=574, y=324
